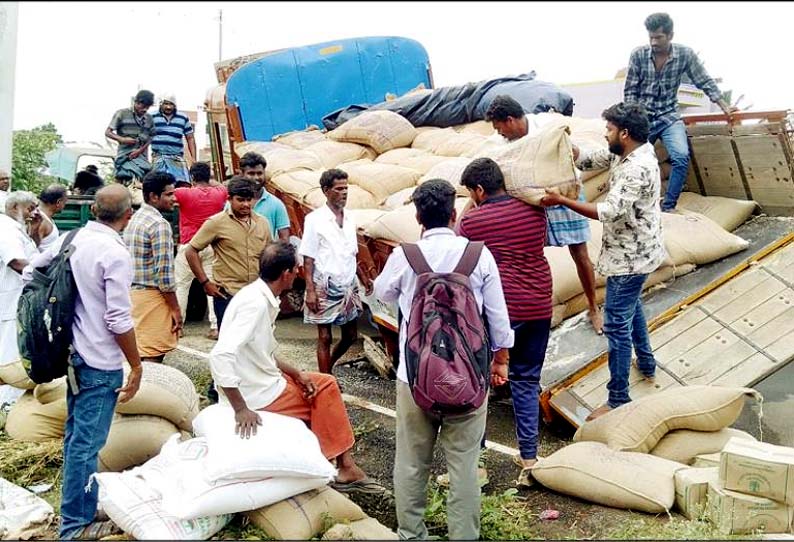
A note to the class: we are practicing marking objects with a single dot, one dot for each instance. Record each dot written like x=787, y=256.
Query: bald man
x=5, y=185
x=52, y=201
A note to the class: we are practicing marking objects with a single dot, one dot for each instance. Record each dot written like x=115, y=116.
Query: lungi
x=173, y=164
x=566, y=227
x=338, y=304
x=152, y=319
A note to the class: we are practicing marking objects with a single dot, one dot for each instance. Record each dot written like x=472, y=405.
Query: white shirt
x=3, y=198
x=15, y=244
x=333, y=248
x=244, y=356
x=443, y=249
x=48, y=241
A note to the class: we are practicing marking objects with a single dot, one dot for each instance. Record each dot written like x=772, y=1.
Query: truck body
x=748, y=160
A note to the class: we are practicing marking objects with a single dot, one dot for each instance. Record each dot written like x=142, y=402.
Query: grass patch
x=240, y=528
x=675, y=528
x=29, y=463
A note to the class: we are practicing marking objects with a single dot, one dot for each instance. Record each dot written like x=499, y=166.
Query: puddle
x=778, y=392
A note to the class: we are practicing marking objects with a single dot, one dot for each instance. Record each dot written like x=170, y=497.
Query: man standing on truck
x=196, y=205
x=150, y=239
x=653, y=77
x=329, y=247
x=52, y=201
x=565, y=226
x=252, y=165
x=632, y=244
x=133, y=128
x=526, y=281
x=168, y=149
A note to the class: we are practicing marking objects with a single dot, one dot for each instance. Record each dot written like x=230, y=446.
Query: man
x=196, y=205
x=237, y=238
x=653, y=78
x=252, y=377
x=417, y=430
x=103, y=337
x=86, y=183
x=329, y=247
x=526, y=279
x=5, y=184
x=17, y=248
x=132, y=128
x=632, y=245
x=150, y=240
x=252, y=165
x=565, y=227
x=170, y=126
x=53, y=201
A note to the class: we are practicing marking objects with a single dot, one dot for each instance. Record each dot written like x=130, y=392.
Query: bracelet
x=205, y=281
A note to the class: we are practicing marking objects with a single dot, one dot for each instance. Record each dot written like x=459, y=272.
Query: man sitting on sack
x=251, y=376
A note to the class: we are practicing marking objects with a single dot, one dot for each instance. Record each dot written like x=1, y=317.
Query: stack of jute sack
x=193, y=488
x=166, y=403
x=637, y=456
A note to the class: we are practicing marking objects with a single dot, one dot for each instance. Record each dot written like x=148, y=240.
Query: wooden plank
x=705, y=368
x=764, y=312
x=744, y=283
x=718, y=348
x=750, y=372
x=766, y=290
x=672, y=329
x=774, y=330
x=783, y=349
x=671, y=353
x=781, y=263
x=567, y=404
x=767, y=169
x=717, y=165
x=638, y=387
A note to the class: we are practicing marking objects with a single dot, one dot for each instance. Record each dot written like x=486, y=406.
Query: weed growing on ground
x=241, y=528
x=675, y=528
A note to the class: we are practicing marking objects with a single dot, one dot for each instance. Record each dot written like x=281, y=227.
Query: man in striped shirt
x=526, y=281
x=168, y=149
x=150, y=240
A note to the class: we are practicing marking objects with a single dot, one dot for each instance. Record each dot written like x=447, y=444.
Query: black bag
x=44, y=317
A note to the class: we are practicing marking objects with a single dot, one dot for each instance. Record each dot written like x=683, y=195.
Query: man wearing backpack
x=103, y=336
x=419, y=424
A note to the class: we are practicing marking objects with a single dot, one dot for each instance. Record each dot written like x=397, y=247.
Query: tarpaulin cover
x=449, y=106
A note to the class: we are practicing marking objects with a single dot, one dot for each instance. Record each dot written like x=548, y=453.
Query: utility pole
x=220, y=35
x=9, y=12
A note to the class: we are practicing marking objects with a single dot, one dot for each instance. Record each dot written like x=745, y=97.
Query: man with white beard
x=16, y=250
x=5, y=185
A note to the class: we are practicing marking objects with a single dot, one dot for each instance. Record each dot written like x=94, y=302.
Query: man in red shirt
x=196, y=204
x=515, y=232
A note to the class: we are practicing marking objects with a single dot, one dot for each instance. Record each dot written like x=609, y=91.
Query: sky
x=78, y=62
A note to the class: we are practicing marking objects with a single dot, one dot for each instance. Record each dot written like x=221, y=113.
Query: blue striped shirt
x=168, y=134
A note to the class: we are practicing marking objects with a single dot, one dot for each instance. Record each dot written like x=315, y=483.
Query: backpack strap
x=67, y=242
x=416, y=259
x=471, y=256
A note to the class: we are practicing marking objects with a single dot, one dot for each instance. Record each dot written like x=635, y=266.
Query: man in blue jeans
x=653, y=78
x=103, y=337
x=632, y=244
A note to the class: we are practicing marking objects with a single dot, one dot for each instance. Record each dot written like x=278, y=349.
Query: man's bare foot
x=350, y=473
x=597, y=320
x=597, y=413
x=212, y=334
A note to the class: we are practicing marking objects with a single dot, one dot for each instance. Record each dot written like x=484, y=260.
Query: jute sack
x=480, y=127
x=532, y=164
x=30, y=421
x=416, y=159
x=400, y=225
x=301, y=139
x=303, y=516
x=362, y=529
x=363, y=217
x=165, y=392
x=132, y=441
x=728, y=213
x=398, y=199
x=694, y=238
x=450, y=170
x=682, y=445
x=639, y=425
x=14, y=374
x=296, y=183
x=280, y=158
x=596, y=473
x=51, y=391
x=380, y=180
x=332, y=153
x=460, y=144
x=486, y=146
x=596, y=185
x=430, y=138
x=381, y=130
x=357, y=198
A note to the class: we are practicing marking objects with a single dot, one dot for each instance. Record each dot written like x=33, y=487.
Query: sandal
x=525, y=479
x=96, y=531
x=367, y=486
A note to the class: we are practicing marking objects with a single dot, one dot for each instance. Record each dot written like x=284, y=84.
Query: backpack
x=447, y=352
x=44, y=317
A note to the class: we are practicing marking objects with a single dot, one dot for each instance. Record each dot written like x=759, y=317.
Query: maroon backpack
x=447, y=352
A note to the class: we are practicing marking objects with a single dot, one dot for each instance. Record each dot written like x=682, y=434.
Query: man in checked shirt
x=653, y=78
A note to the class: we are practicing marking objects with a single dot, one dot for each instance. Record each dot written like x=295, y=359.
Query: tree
x=27, y=157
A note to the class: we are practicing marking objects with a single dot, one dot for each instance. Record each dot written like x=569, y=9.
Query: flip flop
x=366, y=486
x=97, y=531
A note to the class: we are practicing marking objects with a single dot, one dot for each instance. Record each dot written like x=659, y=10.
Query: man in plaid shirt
x=150, y=240
x=653, y=78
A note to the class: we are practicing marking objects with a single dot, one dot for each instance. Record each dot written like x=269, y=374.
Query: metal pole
x=220, y=35
x=9, y=12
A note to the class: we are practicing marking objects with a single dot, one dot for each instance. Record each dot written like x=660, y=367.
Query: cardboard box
x=737, y=513
x=691, y=489
x=703, y=461
x=757, y=468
